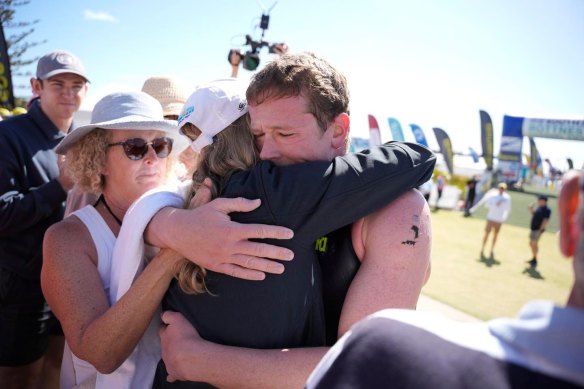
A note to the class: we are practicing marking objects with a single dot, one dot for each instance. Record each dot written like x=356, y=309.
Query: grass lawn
x=499, y=286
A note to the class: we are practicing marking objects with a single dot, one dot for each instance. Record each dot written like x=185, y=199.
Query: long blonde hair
x=232, y=150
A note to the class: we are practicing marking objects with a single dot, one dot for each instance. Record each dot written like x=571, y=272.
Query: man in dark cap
x=539, y=220
x=33, y=190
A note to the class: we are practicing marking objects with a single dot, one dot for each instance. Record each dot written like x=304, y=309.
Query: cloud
x=99, y=16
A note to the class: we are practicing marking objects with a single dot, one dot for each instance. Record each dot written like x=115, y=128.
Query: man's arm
x=394, y=246
x=189, y=358
x=207, y=236
x=544, y=224
x=24, y=205
x=234, y=60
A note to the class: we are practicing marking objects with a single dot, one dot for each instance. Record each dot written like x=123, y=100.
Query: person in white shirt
x=499, y=206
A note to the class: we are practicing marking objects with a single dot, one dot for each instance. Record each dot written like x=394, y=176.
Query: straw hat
x=168, y=91
x=123, y=111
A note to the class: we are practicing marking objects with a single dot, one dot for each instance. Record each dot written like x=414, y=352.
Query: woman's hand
x=179, y=342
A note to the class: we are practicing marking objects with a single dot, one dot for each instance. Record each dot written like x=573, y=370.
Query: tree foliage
x=17, y=41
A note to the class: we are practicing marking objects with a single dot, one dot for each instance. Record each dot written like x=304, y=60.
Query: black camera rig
x=251, y=59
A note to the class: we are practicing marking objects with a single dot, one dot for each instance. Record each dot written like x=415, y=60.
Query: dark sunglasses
x=136, y=148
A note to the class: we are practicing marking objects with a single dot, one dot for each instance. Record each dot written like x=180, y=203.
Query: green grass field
x=499, y=286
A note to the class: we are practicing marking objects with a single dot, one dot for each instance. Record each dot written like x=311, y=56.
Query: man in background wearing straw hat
x=33, y=190
x=170, y=93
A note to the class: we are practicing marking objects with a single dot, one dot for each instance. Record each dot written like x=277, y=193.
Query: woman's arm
x=102, y=335
x=188, y=357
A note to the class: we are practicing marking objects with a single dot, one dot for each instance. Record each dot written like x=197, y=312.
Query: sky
x=432, y=63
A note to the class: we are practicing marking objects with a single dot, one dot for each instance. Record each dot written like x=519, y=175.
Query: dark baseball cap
x=542, y=197
x=59, y=62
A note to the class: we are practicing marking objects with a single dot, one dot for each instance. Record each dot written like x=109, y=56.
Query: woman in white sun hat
x=122, y=154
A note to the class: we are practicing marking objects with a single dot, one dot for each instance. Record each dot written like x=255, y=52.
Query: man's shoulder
x=404, y=205
x=16, y=125
x=394, y=344
x=394, y=348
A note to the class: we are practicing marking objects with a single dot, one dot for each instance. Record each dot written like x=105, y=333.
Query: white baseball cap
x=213, y=107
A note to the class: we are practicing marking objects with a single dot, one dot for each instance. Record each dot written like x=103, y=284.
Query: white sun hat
x=123, y=111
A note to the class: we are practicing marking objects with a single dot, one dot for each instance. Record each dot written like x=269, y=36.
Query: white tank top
x=76, y=372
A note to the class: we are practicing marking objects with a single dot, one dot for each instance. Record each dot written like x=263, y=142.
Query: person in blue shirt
x=33, y=190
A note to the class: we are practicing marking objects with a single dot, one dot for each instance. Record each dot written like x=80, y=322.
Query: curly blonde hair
x=232, y=150
x=86, y=160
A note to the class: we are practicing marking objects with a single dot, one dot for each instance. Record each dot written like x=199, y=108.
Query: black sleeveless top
x=339, y=264
x=285, y=311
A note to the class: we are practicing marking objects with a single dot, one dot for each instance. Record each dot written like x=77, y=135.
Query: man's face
x=61, y=95
x=286, y=133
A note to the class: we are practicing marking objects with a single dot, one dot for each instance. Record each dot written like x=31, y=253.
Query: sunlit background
x=432, y=63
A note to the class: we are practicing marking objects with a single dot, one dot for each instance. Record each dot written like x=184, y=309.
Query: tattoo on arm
x=416, y=229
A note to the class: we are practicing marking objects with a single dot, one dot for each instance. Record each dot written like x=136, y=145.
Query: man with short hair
x=539, y=220
x=299, y=112
x=542, y=347
x=33, y=190
x=385, y=256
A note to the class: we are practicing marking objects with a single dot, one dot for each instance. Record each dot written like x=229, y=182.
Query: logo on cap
x=65, y=59
x=186, y=114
